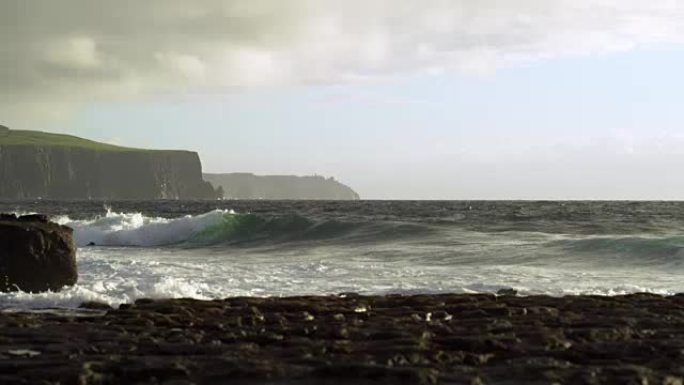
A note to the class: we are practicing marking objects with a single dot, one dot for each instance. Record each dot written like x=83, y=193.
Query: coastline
x=419, y=339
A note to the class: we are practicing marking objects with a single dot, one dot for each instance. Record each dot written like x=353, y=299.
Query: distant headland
x=250, y=186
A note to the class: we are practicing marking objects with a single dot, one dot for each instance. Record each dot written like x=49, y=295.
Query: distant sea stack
x=250, y=186
x=37, y=164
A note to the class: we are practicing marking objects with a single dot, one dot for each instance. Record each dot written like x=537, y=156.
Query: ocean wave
x=225, y=227
x=663, y=251
x=135, y=229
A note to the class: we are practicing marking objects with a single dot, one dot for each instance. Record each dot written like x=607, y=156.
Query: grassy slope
x=37, y=138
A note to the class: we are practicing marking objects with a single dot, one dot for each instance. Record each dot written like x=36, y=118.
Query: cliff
x=250, y=186
x=52, y=166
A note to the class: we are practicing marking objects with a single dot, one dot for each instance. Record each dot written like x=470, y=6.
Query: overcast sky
x=423, y=99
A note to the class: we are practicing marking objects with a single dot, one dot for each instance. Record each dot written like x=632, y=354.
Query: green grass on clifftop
x=38, y=138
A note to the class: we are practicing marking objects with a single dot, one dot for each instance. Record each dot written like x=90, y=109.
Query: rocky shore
x=350, y=339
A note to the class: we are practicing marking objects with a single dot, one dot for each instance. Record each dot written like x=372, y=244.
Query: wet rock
x=93, y=305
x=507, y=291
x=35, y=255
x=40, y=218
x=22, y=353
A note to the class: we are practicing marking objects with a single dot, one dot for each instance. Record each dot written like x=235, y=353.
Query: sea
x=217, y=249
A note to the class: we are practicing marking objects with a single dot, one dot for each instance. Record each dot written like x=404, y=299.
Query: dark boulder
x=7, y=217
x=507, y=291
x=35, y=254
x=40, y=218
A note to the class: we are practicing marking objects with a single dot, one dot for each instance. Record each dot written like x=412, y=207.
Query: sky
x=400, y=99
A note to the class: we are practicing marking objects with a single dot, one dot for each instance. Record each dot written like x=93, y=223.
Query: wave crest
x=225, y=227
x=664, y=252
x=135, y=229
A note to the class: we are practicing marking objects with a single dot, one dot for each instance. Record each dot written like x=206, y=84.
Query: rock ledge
x=424, y=339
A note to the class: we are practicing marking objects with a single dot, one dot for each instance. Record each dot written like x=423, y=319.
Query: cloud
x=188, y=66
x=63, y=54
x=75, y=52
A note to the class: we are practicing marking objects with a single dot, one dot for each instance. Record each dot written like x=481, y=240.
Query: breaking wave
x=224, y=227
x=135, y=229
x=228, y=228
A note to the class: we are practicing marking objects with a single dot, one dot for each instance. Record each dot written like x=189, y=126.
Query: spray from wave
x=135, y=229
x=225, y=227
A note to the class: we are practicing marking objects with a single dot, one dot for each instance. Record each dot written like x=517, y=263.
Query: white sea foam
x=135, y=229
x=118, y=275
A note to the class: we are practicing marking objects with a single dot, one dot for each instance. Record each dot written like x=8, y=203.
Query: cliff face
x=250, y=186
x=63, y=172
